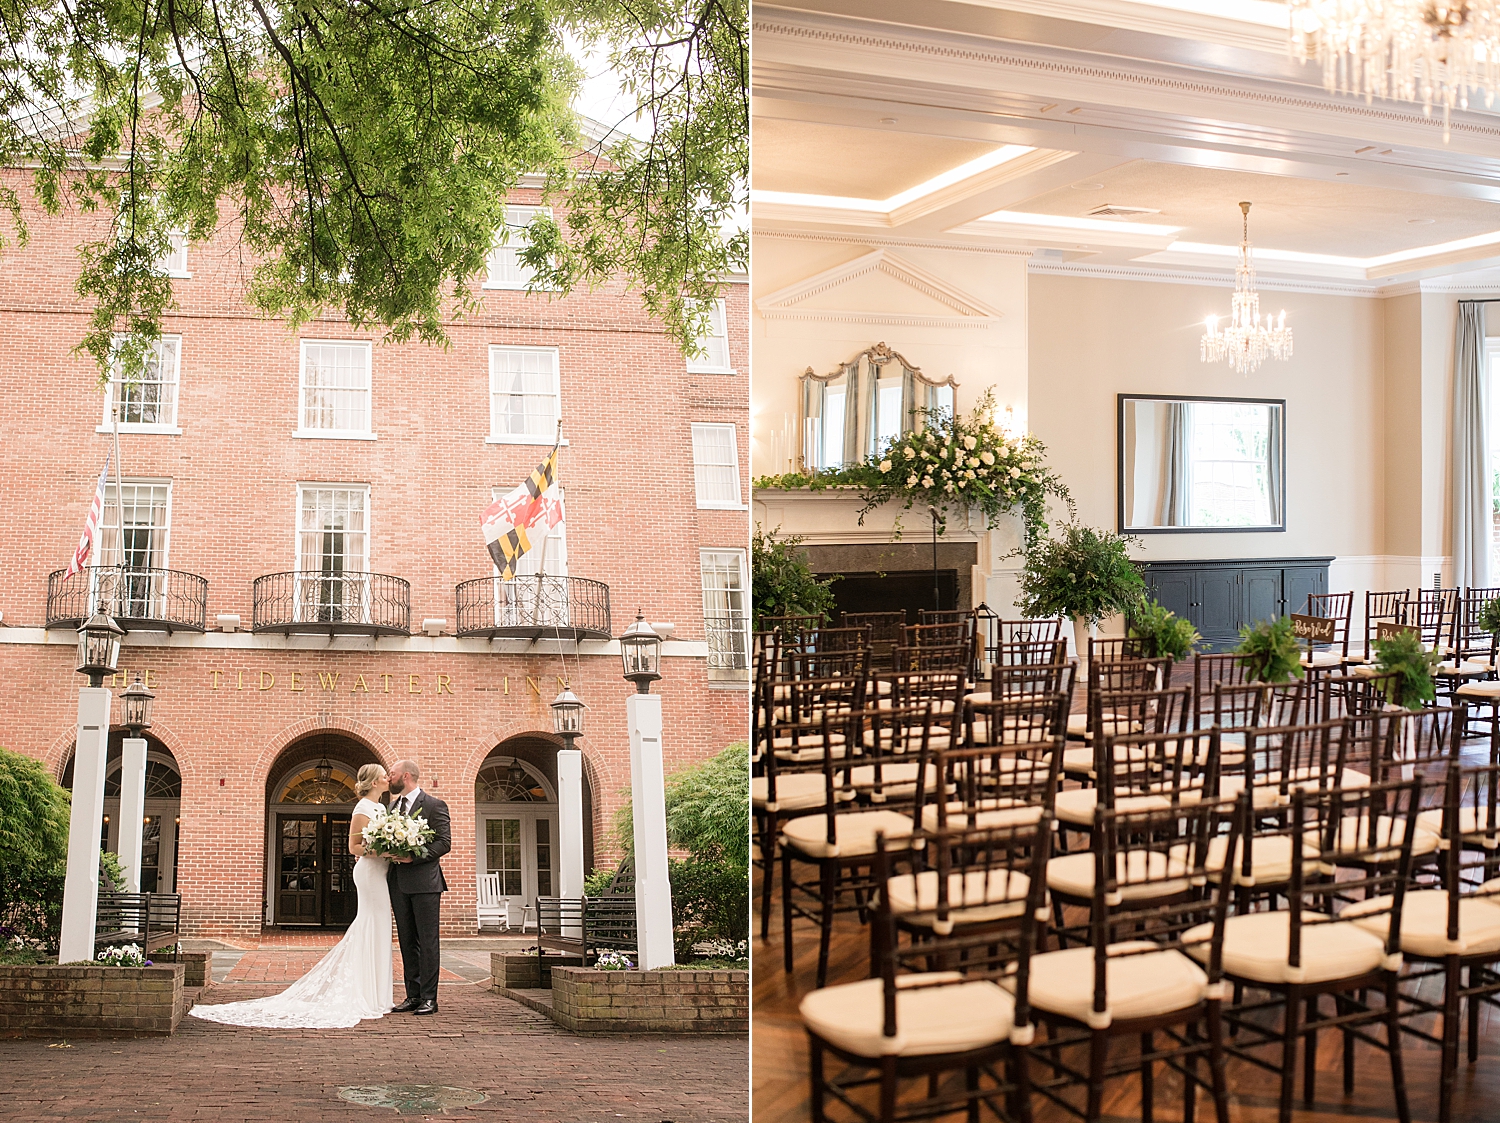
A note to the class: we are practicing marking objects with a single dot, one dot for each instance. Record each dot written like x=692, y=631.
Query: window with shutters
x=716, y=466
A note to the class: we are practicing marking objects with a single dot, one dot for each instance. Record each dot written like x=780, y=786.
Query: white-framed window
x=716, y=466
x=726, y=619
x=524, y=395
x=1228, y=446
x=174, y=263
x=137, y=543
x=148, y=397
x=333, y=552
x=335, y=397
x=714, y=345
x=506, y=270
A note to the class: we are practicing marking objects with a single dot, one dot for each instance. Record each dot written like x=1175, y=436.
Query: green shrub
x=709, y=900
x=1083, y=574
x=597, y=883
x=1270, y=651
x=1489, y=616
x=34, y=814
x=1162, y=632
x=781, y=581
x=1404, y=654
x=111, y=872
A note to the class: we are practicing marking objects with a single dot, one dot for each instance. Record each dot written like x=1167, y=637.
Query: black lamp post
x=640, y=650
x=136, y=702
x=567, y=717
x=98, y=647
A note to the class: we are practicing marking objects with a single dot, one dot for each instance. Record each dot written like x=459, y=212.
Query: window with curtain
x=148, y=398
x=726, y=620
x=133, y=534
x=336, y=388
x=716, y=466
x=506, y=269
x=1492, y=368
x=714, y=343
x=524, y=395
x=333, y=551
x=1229, y=485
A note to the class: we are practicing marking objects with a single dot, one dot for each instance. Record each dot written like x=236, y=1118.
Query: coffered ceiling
x=1007, y=123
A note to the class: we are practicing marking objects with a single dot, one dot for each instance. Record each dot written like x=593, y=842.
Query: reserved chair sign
x=1385, y=629
x=1314, y=629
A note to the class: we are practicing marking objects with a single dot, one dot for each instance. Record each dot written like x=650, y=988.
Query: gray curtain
x=1273, y=462
x=908, y=401
x=1176, y=500
x=1471, y=451
x=851, y=413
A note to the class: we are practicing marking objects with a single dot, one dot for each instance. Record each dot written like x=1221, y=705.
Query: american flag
x=507, y=520
x=90, y=524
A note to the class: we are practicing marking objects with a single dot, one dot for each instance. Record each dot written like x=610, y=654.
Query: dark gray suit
x=416, y=893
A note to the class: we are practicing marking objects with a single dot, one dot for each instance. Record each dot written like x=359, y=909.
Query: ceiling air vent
x=1115, y=210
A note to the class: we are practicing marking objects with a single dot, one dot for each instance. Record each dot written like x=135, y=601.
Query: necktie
x=403, y=805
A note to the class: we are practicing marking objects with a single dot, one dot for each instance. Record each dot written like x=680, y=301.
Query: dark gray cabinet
x=1220, y=597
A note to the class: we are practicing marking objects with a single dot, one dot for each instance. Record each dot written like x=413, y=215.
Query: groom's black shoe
x=426, y=1008
x=406, y=1007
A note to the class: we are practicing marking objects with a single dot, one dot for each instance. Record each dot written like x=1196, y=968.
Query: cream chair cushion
x=1323, y=659
x=1141, y=985
x=1467, y=669
x=974, y=896
x=795, y=791
x=1257, y=948
x=1473, y=822
x=897, y=778
x=1270, y=859
x=1076, y=805
x=855, y=832
x=1078, y=724
x=1489, y=690
x=1081, y=761
x=952, y=1017
x=1424, y=923
x=1355, y=835
x=1073, y=874
x=988, y=815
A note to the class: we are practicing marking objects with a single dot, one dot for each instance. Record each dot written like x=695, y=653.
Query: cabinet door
x=1173, y=590
x=1262, y=595
x=1218, y=597
x=1300, y=581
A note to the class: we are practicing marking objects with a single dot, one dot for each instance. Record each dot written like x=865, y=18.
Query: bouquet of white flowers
x=395, y=835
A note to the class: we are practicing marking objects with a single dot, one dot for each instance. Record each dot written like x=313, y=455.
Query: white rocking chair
x=493, y=907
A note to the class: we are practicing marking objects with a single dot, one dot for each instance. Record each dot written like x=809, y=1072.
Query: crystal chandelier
x=1432, y=51
x=1247, y=340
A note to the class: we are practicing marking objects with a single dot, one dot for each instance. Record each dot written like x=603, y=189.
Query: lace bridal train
x=349, y=984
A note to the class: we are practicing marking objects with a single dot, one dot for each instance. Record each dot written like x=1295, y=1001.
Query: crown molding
x=1201, y=277
x=1172, y=22
x=859, y=238
x=968, y=311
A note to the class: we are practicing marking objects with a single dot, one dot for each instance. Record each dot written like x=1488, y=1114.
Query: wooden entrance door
x=314, y=871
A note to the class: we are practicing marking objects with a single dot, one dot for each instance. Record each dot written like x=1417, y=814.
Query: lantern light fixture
x=640, y=651
x=137, y=701
x=567, y=716
x=98, y=647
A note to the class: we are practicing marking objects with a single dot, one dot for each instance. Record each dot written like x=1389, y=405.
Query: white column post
x=81, y=888
x=132, y=809
x=653, y=892
x=570, y=822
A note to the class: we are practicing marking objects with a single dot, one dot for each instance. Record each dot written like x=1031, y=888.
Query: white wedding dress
x=349, y=984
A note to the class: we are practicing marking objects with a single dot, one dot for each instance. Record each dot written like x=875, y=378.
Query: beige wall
x=1092, y=339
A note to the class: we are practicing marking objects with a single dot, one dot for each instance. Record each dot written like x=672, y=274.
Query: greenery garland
x=949, y=463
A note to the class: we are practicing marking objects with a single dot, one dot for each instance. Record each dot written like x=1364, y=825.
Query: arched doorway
x=309, y=799
x=162, y=812
x=515, y=812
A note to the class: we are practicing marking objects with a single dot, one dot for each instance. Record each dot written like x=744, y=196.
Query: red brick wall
x=627, y=404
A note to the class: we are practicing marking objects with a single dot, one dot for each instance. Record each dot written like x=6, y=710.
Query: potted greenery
x=1162, y=632
x=1083, y=574
x=1270, y=651
x=781, y=581
x=1404, y=655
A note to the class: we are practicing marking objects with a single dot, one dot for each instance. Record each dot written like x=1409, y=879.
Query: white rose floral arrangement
x=962, y=463
x=394, y=835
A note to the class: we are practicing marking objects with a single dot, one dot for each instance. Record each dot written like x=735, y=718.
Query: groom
x=417, y=886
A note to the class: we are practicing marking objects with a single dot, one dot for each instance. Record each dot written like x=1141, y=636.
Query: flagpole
x=119, y=499
x=541, y=568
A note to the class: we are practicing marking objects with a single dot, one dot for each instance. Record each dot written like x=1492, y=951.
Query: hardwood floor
x=779, y=1079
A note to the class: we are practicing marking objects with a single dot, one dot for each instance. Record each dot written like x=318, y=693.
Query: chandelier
x=1247, y=340
x=1432, y=51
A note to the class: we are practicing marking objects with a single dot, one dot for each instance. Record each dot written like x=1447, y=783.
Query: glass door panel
x=502, y=854
x=297, y=882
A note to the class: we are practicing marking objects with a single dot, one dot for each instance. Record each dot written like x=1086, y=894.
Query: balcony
x=534, y=608
x=141, y=600
x=362, y=604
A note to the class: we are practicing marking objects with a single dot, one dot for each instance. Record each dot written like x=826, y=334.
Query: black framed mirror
x=1198, y=465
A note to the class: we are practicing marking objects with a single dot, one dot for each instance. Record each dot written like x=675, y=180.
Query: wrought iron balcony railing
x=534, y=607
x=145, y=600
x=728, y=636
x=370, y=604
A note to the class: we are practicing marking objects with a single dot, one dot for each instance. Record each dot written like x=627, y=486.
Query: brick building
x=301, y=516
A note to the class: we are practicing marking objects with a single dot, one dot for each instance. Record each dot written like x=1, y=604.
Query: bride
x=353, y=981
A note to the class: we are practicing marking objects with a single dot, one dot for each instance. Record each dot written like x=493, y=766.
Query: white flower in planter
x=885, y=465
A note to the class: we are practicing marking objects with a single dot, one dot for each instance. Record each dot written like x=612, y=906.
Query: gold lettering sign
x=1386, y=630
x=1314, y=629
x=337, y=682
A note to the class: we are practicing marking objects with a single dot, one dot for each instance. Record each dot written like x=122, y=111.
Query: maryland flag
x=507, y=520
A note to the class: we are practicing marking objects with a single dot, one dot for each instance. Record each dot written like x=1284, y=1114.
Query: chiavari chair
x=1109, y=649
x=1381, y=608
x=910, y=1025
x=993, y=631
x=885, y=632
x=1338, y=607
x=839, y=841
x=1117, y=675
x=1452, y=932
x=953, y=657
x=849, y=638
x=1027, y=678
x=1136, y=708
x=936, y=635
x=1434, y=612
x=1008, y=656
x=1236, y=707
x=1151, y=906
x=1306, y=950
x=1472, y=660
x=945, y=616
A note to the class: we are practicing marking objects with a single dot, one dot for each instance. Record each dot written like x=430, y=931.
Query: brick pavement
x=531, y=1070
x=285, y=965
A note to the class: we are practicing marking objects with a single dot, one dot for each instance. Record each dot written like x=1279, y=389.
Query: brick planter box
x=589, y=1001
x=517, y=970
x=51, y=1001
x=195, y=964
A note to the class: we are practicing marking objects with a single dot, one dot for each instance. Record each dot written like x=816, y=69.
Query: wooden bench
x=586, y=926
x=149, y=920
